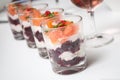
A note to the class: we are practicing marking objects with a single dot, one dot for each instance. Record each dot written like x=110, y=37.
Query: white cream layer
x=40, y=44
x=70, y=56
x=49, y=44
x=17, y=28
x=25, y=24
x=13, y=17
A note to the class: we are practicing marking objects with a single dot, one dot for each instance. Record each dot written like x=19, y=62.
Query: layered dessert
x=14, y=20
x=25, y=22
x=38, y=36
x=37, y=23
x=65, y=46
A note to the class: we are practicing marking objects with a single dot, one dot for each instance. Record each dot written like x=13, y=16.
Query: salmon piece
x=37, y=22
x=68, y=22
x=23, y=18
x=70, y=30
x=55, y=35
x=62, y=32
x=32, y=12
x=56, y=13
x=36, y=13
x=49, y=23
x=11, y=9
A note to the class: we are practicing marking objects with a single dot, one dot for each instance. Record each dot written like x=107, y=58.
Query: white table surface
x=18, y=62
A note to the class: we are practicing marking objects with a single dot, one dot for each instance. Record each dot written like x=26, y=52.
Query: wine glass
x=94, y=39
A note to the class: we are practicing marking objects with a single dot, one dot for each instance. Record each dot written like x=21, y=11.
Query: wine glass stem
x=92, y=24
x=57, y=1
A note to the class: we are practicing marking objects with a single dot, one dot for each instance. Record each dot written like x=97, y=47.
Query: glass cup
x=37, y=23
x=13, y=17
x=25, y=22
x=65, y=44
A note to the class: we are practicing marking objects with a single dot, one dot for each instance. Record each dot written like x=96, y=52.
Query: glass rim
x=79, y=20
x=74, y=15
x=41, y=3
x=62, y=10
x=46, y=5
x=14, y=2
x=19, y=1
x=33, y=2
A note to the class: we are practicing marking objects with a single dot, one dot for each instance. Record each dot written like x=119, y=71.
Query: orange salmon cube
x=55, y=35
x=70, y=30
x=49, y=23
x=11, y=9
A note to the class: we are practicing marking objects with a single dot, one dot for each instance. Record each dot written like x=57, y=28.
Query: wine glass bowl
x=86, y=4
x=94, y=39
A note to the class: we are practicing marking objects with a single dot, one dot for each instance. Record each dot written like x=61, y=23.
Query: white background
x=18, y=62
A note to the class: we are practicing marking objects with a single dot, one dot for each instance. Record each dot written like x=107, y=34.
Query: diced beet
x=75, y=46
x=28, y=31
x=68, y=46
x=31, y=38
x=71, y=46
x=15, y=22
x=29, y=34
x=39, y=36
